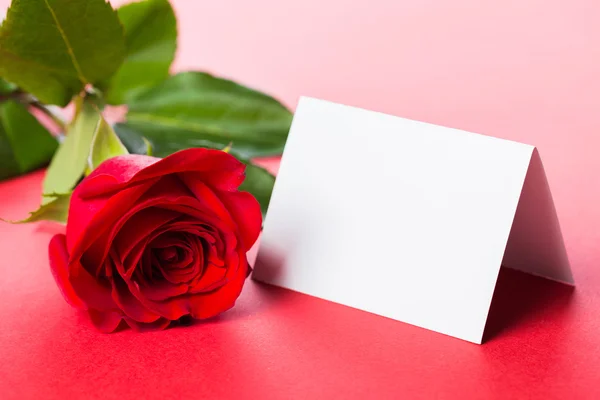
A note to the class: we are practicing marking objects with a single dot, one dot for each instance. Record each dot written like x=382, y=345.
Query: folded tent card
x=405, y=219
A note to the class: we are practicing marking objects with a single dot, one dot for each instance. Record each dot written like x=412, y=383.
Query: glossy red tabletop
x=522, y=70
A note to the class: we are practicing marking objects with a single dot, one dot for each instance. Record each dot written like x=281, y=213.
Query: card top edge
x=305, y=100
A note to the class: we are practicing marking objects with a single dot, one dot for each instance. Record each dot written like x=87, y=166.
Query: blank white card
x=405, y=219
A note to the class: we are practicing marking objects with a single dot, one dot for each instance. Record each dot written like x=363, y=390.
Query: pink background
x=522, y=70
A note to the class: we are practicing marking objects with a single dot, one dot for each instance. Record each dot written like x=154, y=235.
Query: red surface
x=543, y=341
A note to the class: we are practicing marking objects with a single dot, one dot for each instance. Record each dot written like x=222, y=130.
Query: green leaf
x=56, y=209
x=151, y=38
x=53, y=48
x=6, y=87
x=24, y=143
x=134, y=142
x=194, y=109
x=69, y=162
x=105, y=145
x=259, y=182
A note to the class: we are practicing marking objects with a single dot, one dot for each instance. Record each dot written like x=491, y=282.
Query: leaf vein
x=67, y=44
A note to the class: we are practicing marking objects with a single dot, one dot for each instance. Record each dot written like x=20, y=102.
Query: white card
x=405, y=219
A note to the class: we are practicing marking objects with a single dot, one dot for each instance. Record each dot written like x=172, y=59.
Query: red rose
x=152, y=240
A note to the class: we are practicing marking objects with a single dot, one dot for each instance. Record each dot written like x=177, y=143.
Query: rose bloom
x=150, y=240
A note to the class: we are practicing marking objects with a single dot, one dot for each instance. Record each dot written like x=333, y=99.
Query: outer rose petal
x=130, y=305
x=241, y=208
x=119, y=169
x=206, y=195
x=211, y=304
x=89, y=218
x=214, y=167
x=245, y=211
x=105, y=322
x=59, y=264
x=93, y=293
x=160, y=291
x=159, y=324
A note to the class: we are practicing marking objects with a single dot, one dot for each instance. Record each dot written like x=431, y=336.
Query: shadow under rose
x=519, y=297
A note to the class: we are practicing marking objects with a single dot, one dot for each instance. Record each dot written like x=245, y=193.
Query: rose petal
x=173, y=308
x=140, y=226
x=191, y=209
x=89, y=219
x=169, y=239
x=113, y=173
x=167, y=190
x=184, y=257
x=93, y=247
x=210, y=304
x=129, y=303
x=134, y=256
x=59, y=263
x=159, y=291
x=202, y=305
x=205, y=195
x=135, y=291
x=157, y=325
x=106, y=322
x=94, y=292
x=212, y=278
x=217, y=168
x=201, y=230
x=245, y=211
x=190, y=206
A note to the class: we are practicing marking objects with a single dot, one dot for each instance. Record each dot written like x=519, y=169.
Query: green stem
x=55, y=118
x=28, y=100
x=16, y=95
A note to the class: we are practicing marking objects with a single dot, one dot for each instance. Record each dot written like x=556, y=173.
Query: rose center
x=169, y=254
